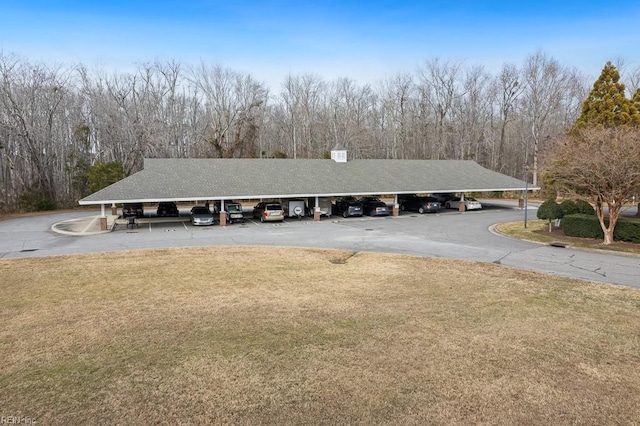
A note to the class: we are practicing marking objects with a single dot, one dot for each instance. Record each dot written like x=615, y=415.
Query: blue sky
x=364, y=40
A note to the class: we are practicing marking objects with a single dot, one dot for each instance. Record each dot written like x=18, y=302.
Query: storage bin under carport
x=294, y=208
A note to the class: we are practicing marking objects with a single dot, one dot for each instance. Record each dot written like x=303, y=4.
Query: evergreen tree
x=636, y=100
x=101, y=175
x=607, y=104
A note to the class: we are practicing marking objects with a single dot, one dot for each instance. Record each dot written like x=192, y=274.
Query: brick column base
x=461, y=207
x=396, y=210
x=103, y=223
x=316, y=215
x=223, y=218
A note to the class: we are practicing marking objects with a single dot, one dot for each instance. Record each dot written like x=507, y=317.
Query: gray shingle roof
x=220, y=178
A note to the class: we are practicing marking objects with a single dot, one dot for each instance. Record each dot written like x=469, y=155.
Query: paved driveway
x=449, y=234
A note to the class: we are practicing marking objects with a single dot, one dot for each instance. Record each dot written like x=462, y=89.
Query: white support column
x=103, y=218
x=222, y=214
x=316, y=210
x=396, y=206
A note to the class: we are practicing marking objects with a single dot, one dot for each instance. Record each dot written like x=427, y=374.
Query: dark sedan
x=372, y=206
x=347, y=206
x=167, y=209
x=419, y=204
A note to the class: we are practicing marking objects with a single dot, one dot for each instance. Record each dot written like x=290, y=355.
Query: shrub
x=588, y=226
x=585, y=208
x=568, y=207
x=583, y=226
x=549, y=210
x=627, y=230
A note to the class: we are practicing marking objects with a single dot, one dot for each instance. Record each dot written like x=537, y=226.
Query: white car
x=469, y=203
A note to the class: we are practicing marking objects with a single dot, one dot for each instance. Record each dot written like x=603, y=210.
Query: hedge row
x=587, y=226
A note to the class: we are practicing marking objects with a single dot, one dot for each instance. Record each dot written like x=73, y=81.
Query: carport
x=219, y=179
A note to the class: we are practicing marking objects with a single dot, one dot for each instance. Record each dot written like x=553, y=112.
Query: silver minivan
x=268, y=212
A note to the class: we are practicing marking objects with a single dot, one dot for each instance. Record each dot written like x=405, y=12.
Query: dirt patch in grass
x=243, y=335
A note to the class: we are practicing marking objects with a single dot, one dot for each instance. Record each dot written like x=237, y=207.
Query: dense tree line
x=58, y=123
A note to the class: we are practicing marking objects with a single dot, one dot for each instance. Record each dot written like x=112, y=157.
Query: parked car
x=132, y=209
x=347, y=206
x=234, y=212
x=201, y=216
x=469, y=203
x=167, y=209
x=443, y=197
x=372, y=206
x=419, y=204
x=268, y=212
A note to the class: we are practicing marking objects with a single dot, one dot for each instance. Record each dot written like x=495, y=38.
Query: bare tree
x=546, y=83
x=633, y=81
x=348, y=115
x=397, y=99
x=439, y=87
x=234, y=103
x=508, y=88
x=32, y=100
x=472, y=114
x=302, y=96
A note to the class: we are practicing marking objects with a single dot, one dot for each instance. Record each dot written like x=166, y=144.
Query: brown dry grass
x=240, y=335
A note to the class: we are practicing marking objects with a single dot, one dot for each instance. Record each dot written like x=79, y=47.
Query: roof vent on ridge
x=339, y=154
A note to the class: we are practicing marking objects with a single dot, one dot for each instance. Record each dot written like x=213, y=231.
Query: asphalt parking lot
x=448, y=234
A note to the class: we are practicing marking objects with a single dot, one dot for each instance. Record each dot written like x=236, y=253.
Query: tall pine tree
x=636, y=100
x=607, y=104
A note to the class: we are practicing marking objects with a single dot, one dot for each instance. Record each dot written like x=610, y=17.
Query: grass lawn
x=264, y=335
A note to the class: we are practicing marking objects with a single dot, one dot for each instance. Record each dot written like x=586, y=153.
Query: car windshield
x=200, y=210
x=234, y=208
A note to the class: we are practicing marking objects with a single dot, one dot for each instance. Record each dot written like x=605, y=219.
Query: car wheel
x=345, y=214
x=262, y=219
x=447, y=205
x=421, y=210
x=402, y=207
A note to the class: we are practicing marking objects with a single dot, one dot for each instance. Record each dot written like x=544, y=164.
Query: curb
x=72, y=224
